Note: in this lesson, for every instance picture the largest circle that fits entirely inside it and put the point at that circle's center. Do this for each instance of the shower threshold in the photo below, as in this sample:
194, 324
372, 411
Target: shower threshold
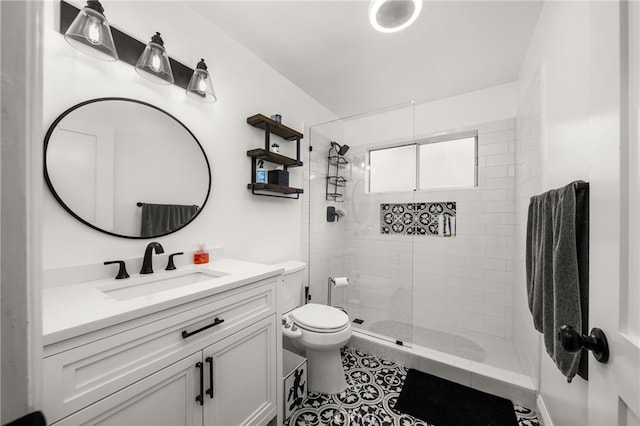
515, 386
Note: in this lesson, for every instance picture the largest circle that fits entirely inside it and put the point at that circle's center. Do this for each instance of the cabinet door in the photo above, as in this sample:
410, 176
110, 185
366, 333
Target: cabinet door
243, 367
165, 398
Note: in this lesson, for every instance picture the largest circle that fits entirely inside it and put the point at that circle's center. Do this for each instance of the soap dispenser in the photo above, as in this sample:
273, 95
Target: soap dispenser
261, 174
201, 255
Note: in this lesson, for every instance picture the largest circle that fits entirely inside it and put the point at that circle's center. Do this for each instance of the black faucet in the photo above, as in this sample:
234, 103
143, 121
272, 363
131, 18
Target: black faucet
147, 265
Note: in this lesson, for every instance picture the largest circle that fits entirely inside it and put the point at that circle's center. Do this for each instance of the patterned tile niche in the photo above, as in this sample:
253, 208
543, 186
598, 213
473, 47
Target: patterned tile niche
418, 219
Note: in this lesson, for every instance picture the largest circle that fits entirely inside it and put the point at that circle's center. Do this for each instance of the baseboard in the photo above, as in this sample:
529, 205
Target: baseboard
543, 413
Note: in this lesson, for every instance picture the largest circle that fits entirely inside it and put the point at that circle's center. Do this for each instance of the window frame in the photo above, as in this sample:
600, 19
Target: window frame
426, 141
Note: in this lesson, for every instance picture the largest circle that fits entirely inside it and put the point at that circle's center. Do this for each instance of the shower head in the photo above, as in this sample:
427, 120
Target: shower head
341, 149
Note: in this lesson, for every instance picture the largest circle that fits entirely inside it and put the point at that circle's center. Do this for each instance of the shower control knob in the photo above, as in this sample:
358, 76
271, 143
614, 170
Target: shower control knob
572, 341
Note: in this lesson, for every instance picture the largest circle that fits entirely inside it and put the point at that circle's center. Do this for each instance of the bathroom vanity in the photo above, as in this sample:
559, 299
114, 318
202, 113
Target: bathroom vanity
195, 346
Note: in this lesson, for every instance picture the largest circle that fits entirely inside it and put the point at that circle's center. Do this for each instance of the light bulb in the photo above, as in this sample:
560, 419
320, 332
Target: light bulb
202, 85
93, 31
155, 62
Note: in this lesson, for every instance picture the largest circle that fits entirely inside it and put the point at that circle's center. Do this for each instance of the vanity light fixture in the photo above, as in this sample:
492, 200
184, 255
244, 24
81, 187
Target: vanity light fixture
90, 33
153, 64
88, 30
390, 16
200, 86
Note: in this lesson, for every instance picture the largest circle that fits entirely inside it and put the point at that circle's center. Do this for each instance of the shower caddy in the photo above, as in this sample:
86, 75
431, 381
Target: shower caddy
335, 163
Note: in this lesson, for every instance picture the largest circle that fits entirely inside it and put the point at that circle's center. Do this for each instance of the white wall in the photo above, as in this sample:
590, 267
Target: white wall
473, 108
456, 112
561, 52
249, 227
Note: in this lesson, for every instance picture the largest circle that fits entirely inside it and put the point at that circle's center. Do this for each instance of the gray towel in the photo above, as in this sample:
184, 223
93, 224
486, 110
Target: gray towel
553, 271
161, 219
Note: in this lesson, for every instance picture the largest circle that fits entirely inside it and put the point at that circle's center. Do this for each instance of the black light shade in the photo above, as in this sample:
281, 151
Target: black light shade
91, 34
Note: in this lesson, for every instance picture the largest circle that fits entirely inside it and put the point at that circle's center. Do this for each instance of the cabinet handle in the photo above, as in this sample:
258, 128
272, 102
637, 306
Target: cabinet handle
215, 322
200, 398
210, 390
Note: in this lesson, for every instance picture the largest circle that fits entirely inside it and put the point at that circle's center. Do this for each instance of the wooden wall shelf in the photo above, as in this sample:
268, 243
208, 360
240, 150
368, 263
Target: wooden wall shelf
272, 157
262, 122
273, 127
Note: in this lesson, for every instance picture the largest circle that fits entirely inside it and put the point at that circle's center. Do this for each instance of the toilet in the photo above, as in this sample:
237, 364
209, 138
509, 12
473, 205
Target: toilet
318, 329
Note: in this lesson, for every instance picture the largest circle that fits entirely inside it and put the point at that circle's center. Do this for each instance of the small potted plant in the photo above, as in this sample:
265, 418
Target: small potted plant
275, 148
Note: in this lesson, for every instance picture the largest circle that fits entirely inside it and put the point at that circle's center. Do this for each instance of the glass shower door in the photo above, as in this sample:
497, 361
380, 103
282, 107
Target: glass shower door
375, 256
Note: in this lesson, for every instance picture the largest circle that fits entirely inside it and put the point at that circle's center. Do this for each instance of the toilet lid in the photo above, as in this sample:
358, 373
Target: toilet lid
320, 318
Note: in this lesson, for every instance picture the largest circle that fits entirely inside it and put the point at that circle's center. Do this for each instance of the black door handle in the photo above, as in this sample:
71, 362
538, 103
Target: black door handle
200, 398
596, 341
209, 360
215, 322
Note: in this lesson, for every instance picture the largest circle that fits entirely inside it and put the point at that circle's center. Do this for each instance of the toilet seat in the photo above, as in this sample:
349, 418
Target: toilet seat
320, 318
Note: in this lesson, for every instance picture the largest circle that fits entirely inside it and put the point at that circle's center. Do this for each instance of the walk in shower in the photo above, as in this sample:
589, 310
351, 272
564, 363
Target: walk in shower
420, 219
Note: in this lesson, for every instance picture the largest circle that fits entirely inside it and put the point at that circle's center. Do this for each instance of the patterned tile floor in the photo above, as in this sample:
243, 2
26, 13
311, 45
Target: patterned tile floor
374, 386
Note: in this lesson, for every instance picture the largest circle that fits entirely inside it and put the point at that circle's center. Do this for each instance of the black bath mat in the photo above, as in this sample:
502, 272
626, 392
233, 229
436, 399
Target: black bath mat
443, 403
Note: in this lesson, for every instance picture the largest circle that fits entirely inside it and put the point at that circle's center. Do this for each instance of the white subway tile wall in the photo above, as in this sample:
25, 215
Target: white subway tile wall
462, 283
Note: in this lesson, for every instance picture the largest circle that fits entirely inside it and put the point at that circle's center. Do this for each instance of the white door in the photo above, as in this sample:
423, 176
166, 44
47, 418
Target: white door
614, 388
242, 366
80, 163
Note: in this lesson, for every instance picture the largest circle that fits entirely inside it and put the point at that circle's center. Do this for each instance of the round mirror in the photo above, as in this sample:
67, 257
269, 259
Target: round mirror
126, 168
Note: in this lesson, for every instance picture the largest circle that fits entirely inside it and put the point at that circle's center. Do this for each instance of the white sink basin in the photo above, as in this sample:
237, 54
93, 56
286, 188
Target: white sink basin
146, 285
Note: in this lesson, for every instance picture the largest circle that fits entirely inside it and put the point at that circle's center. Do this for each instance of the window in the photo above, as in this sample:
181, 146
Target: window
447, 164
392, 169
434, 163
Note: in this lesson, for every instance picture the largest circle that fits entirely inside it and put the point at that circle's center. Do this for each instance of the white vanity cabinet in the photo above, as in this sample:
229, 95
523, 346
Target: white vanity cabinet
244, 377
208, 362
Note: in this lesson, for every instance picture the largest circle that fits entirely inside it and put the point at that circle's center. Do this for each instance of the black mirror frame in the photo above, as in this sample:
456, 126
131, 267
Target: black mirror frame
71, 212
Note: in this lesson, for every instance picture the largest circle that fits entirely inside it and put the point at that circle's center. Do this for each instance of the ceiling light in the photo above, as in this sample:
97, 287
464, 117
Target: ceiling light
389, 16
200, 86
90, 33
153, 64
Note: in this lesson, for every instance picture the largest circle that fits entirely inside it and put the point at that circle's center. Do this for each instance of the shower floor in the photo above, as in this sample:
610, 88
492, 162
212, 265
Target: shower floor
489, 350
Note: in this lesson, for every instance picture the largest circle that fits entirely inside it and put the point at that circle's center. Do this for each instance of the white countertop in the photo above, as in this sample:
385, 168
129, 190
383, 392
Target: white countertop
73, 310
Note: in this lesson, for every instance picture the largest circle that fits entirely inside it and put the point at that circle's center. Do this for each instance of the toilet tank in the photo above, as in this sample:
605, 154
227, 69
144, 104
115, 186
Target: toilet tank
291, 285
